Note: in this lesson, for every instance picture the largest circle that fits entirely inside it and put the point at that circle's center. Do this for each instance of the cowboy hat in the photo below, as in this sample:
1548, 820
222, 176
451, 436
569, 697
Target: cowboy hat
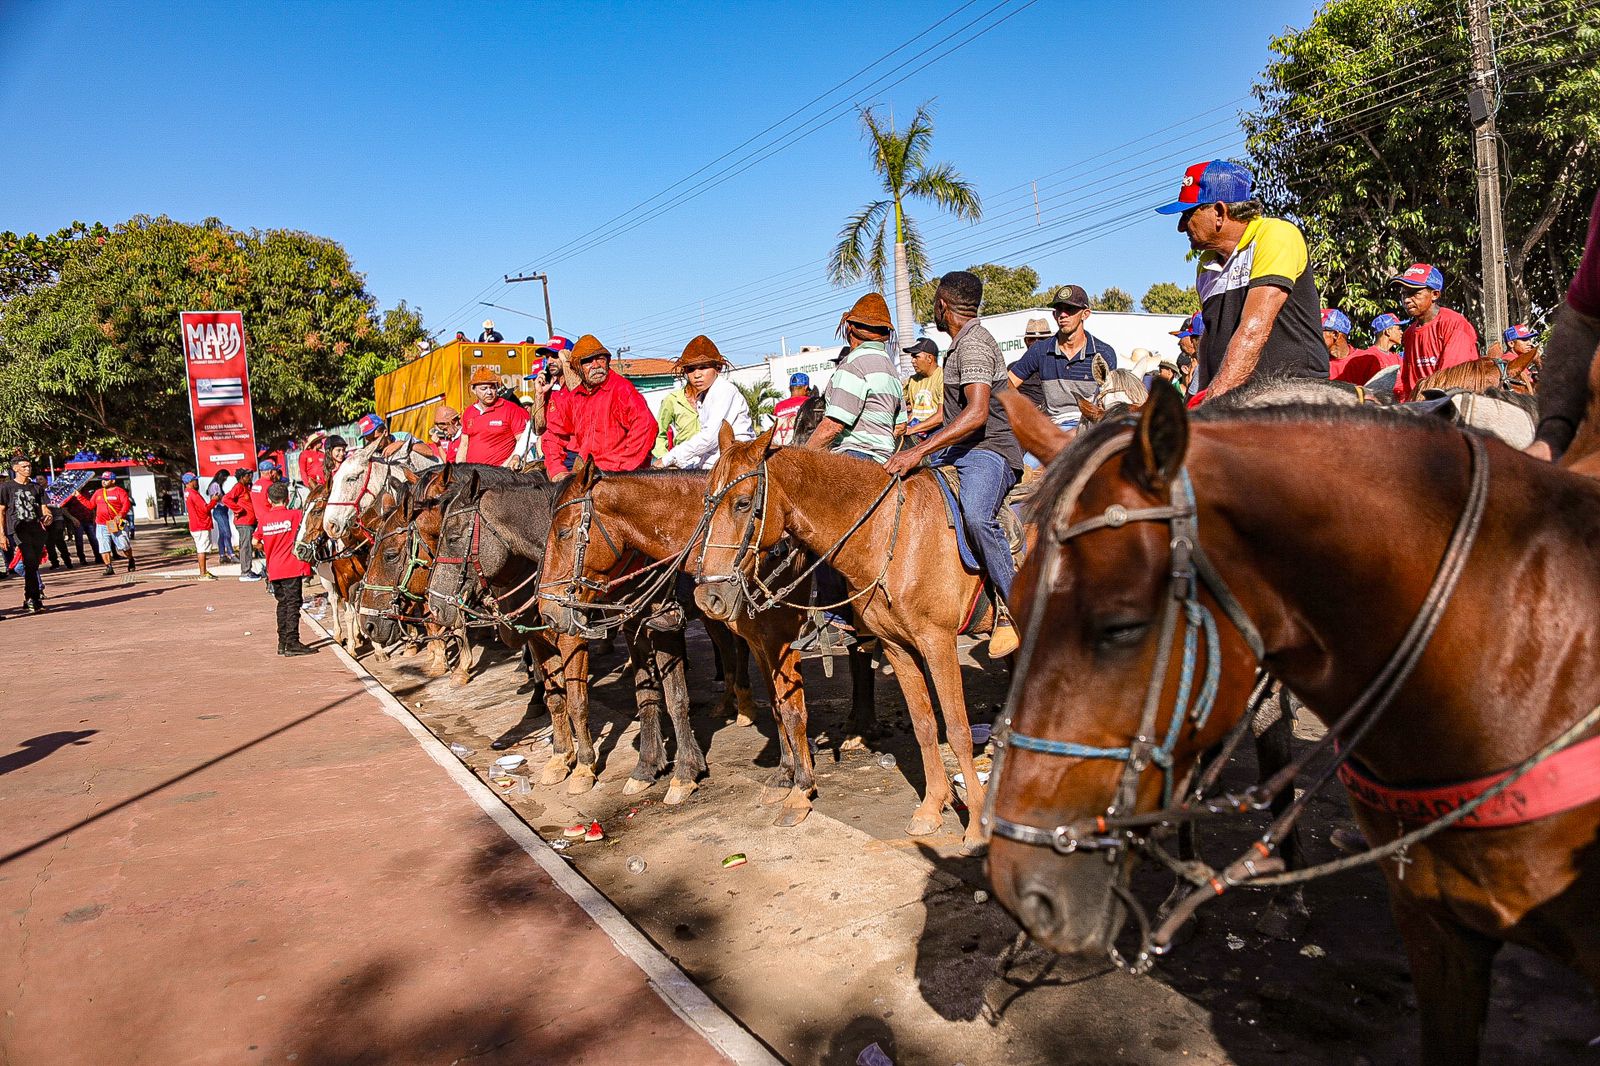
699, 352
483, 375
871, 311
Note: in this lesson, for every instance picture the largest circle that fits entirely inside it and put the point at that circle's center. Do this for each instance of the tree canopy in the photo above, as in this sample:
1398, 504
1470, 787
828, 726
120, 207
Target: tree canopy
90, 352
1362, 135
1166, 298
1112, 299
1004, 289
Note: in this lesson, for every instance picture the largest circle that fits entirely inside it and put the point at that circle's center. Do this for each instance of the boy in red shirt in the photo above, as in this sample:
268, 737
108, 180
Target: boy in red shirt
276, 527
198, 509
243, 506
1437, 336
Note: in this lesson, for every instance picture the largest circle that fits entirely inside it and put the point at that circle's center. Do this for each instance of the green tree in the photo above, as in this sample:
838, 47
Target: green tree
1373, 156
1004, 289
760, 396
95, 359
1166, 298
29, 262
1113, 299
900, 159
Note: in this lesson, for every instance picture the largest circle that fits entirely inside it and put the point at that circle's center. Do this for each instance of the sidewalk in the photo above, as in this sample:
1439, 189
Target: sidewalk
214, 855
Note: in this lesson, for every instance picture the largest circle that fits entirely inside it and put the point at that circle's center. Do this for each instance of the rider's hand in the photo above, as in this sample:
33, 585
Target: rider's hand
1539, 449
902, 462
5, 543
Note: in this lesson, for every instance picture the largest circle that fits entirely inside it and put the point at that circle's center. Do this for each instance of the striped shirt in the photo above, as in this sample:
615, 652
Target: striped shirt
864, 395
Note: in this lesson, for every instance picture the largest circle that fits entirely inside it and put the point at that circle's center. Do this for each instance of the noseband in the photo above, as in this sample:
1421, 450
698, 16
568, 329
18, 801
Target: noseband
400, 591
1121, 827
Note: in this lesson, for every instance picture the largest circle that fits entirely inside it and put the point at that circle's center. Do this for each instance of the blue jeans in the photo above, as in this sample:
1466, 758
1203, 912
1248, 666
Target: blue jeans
222, 522
985, 479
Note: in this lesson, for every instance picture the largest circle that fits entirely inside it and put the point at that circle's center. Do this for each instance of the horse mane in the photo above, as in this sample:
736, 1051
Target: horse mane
1478, 376
1126, 382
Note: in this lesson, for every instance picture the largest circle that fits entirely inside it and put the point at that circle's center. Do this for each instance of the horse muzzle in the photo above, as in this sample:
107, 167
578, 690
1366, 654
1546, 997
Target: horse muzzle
572, 622
719, 599
1068, 903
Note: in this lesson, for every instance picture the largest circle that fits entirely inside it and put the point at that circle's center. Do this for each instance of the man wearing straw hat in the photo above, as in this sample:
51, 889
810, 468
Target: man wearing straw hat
864, 401
716, 401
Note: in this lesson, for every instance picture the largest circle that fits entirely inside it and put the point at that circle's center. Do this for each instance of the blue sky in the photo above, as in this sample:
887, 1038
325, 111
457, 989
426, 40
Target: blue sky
448, 144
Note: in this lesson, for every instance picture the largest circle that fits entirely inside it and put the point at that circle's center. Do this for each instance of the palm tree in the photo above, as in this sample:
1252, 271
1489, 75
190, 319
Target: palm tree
760, 396
901, 160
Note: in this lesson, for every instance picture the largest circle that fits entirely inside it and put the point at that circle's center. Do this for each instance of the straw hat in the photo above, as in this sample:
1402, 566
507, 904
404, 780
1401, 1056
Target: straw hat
588, 345
871, 311
699, 352
1038, 327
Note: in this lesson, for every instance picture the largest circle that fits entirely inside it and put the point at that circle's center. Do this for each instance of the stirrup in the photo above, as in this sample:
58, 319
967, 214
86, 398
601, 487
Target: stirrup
668, 618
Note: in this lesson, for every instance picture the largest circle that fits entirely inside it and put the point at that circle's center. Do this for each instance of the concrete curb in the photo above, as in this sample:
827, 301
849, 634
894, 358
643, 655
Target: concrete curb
687, 1000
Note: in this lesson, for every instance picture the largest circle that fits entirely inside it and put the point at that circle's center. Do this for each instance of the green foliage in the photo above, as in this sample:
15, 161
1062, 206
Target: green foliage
1113, 299
30, 262
900, 159
761, 397
95, 359
1004, 289
1362, 135
1166, 298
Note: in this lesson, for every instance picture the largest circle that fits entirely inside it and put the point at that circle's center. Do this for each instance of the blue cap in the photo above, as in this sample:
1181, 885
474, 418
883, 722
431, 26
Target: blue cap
1335, 321
188, 478
1386, 321
1195, 327
1217, 181
1420, 276
369, 425
1520, 332
798, 379
267, 464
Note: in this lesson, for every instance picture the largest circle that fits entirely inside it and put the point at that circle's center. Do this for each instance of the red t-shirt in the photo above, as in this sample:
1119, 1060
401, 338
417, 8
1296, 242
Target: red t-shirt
199, 510
110, 503
1585, 292
783, 419
241, 503
1449, 340
492, 434
449, 450
258, 496
277, 530
1358, 367
311, 472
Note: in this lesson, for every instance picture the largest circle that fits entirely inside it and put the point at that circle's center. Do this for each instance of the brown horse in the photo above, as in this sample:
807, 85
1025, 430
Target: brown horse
619, 523
1481, 375
1229, 517
890, 542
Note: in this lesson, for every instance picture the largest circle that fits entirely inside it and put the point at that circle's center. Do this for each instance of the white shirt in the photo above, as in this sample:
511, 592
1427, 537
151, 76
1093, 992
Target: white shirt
723, 402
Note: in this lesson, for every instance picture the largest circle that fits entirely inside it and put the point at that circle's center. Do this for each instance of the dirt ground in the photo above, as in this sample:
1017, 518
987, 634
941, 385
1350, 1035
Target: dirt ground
844, 932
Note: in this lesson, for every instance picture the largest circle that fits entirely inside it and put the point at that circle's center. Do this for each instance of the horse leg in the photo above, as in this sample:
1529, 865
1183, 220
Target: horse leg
734, 655
689, 762
789, 705
575, 668
744, 696
463, 670
652, 760
929, 815
945, 670
555, 695
863, 715
1450, 967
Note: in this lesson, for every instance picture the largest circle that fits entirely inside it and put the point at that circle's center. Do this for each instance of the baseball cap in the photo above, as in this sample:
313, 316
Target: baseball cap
1215, 181
369, 425
1520, 332
1195, 327
267, 464
1069, 296
1335, 321
188, 478
106, 475
923, 345
1386, 321
798, 379
1420, 276
555, 344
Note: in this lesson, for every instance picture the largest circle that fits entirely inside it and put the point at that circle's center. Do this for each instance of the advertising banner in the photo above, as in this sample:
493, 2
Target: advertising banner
219, 390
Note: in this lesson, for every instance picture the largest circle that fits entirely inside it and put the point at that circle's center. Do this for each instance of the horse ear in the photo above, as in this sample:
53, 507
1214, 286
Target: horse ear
1099, 368
1160, 442
1522, 362
724, 437
1091, 411
472, 486
587, 473
766, 442
1039, 436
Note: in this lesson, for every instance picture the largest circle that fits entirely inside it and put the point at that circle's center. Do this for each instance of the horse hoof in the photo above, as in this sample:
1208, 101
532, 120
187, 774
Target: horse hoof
460, 679
633, 786
973, 848
743, 720
924, 825
581, 781
790, 817
1283, 921
774, 794
680, 791
853, 743
555, 771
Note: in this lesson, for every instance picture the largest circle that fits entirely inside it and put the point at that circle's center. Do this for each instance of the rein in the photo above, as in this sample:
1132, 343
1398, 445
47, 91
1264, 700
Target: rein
1119, 827
579, 589
400, 590
469, 603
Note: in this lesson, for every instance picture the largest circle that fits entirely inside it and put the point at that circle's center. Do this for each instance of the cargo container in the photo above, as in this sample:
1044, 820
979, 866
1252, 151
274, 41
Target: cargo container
408, 396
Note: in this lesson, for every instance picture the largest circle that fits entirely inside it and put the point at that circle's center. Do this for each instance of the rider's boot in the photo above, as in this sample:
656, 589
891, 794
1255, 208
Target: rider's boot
1003, 640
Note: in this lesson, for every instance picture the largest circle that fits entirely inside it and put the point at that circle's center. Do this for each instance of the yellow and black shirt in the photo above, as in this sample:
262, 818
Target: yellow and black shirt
1271, 252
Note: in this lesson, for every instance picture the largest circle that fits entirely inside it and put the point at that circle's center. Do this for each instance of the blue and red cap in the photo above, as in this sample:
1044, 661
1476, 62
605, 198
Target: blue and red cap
1420, 276
555, 344
1520, 332
188, 478
1217, 181
267, 464
1385, 321
1335, 321
799, 378
1195, 327
369, 425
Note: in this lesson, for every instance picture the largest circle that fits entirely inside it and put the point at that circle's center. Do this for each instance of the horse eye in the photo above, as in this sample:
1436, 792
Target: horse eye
1122, 634
742, 504
563, 534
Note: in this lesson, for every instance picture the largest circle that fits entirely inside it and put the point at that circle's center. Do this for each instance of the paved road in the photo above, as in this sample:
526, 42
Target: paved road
213, 855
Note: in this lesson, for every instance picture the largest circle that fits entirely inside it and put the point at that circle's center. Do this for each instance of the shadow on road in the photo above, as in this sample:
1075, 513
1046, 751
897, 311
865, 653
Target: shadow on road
42, 747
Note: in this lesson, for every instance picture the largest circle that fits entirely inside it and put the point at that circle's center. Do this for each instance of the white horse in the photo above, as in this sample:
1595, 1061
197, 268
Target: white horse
362, 478
346, 622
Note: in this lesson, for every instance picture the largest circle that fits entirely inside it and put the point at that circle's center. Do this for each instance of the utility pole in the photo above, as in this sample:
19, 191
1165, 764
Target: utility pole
1481, 105
549, 323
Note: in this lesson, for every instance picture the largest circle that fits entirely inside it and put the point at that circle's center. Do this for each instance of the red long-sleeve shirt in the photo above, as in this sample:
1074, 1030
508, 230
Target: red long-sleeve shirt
199, 510
110, 503
1448, 340
311, 472
240, 504
611, 423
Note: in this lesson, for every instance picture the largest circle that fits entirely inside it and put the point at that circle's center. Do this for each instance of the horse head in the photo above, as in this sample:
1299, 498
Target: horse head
310, 533
1105, 713
352, 488
746, 517
577, 554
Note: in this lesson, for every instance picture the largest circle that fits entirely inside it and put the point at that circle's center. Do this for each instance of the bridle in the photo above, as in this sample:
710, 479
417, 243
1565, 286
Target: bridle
579, 590
1121, 827
400, 591
481, 605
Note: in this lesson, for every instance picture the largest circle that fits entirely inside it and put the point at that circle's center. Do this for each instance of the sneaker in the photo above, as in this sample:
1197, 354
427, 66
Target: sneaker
208, 576
108, 571
252, 576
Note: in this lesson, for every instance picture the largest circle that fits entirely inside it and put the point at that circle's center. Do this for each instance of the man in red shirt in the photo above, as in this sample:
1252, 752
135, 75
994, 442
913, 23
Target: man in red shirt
113, 519
1437, 336
1570, 353
1354, 366
311, 456
446, 435
604, 417
491, 425
278, 526
198, 509
243, 507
